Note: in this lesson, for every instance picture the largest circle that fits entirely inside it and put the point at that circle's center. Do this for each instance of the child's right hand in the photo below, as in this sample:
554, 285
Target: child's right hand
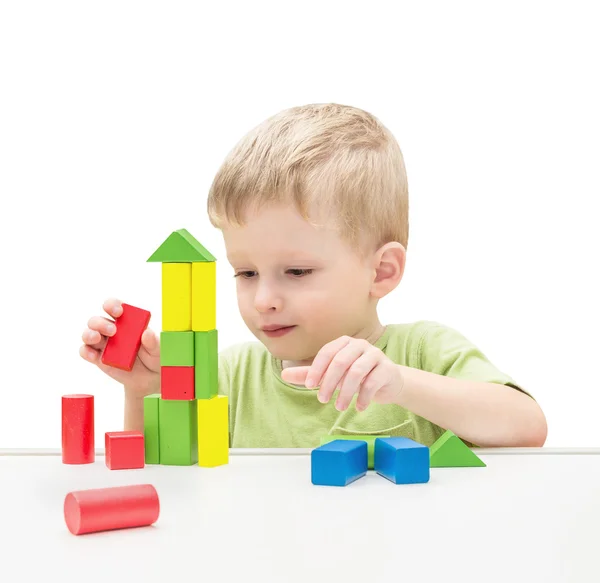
144, 378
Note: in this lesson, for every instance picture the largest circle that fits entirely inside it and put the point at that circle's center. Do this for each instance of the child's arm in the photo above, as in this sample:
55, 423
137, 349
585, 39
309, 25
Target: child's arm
488, 414
485, 414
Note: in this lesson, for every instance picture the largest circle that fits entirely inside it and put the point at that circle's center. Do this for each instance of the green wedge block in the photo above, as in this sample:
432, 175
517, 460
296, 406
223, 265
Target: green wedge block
178, 432
181, 247
449, 451
151, 443
206, 364
370, 439
177, 348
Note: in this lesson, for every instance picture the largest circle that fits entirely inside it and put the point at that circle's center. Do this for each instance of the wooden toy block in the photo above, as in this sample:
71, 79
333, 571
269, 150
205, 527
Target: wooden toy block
102, 509
177, 348
176, 297
339, 462
370, 439
449, 451
213, 431
204, 296
122, 348
124, 450
180, 247
151, 433
402, 460
206, 364
77, 416
178, 432
177, 382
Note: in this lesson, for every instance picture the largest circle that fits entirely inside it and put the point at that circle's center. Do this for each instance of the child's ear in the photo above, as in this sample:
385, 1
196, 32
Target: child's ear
389, 262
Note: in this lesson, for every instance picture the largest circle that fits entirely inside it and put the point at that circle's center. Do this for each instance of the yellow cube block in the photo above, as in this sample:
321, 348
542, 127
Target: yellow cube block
204, 296
213, 431
176, 297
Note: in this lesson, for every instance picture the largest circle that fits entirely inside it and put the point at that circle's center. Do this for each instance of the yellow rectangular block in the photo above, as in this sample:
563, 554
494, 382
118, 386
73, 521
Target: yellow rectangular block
176, 297
213, 431
204, 296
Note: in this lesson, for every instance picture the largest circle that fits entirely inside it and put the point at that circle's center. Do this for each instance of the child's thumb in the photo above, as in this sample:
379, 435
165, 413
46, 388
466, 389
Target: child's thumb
151, 342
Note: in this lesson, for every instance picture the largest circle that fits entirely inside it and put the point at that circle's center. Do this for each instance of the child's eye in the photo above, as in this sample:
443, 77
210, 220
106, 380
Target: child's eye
300, 272
294, 272
244, 274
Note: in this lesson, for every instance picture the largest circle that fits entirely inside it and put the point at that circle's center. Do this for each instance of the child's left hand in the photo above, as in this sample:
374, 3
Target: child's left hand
354, 366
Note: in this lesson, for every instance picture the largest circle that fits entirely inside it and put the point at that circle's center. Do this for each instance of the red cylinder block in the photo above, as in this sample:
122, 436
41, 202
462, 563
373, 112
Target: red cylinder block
101, 509
78, 429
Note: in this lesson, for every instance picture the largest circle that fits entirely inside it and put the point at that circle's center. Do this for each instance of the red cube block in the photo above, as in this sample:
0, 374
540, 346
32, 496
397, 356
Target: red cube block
177, 383
122, 347
124, 450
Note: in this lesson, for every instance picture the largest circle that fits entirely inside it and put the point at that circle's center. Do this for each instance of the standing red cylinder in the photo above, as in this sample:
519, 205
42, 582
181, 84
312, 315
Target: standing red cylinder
101, 509
78, 429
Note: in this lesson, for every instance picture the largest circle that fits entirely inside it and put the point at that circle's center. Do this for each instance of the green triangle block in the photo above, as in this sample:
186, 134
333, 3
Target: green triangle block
181, 247
449, 451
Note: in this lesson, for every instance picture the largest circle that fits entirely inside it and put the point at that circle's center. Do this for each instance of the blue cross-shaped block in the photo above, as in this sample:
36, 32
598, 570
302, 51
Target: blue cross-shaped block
402, 460
339, 462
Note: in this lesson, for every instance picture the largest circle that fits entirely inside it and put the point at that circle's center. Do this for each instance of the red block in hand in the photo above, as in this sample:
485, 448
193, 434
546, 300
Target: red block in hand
124, 450
122, 348
177, 383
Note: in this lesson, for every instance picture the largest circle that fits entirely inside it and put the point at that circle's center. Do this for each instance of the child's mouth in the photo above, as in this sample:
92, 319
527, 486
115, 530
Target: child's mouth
278, 332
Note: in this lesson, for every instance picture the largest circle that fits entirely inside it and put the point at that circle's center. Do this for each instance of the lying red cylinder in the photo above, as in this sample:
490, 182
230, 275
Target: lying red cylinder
78, 429
113, 508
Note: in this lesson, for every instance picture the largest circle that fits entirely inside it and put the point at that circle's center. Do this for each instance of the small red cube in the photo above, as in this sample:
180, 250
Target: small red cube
177, 383
124, 450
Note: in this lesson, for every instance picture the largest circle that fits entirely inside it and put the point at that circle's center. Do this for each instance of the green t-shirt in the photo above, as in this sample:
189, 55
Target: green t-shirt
267, 412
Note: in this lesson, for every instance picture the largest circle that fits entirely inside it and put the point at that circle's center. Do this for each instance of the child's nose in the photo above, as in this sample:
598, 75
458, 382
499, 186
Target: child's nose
267, 298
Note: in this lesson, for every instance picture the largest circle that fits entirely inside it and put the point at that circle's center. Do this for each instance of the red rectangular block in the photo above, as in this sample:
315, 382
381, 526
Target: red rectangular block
177, 383
122, 348
124, 450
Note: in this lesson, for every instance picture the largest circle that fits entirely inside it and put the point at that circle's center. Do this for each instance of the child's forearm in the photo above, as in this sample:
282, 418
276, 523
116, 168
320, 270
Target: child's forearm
485, 414
134, 412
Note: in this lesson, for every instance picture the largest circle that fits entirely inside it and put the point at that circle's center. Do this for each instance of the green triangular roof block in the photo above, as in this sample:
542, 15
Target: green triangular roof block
181, 247
449, 451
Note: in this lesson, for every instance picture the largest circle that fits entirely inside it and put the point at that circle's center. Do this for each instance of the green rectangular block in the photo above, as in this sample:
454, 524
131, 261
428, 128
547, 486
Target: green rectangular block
151, 425
370, 439
177, 348
178, 432
206, 364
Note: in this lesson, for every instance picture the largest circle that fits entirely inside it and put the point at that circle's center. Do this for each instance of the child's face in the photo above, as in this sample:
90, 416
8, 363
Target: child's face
290, 273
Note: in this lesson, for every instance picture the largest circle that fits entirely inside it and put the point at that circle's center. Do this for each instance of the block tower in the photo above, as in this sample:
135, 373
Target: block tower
188, 422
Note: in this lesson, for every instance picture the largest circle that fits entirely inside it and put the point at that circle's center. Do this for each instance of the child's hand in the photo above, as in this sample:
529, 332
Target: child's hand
354, 366
144, 378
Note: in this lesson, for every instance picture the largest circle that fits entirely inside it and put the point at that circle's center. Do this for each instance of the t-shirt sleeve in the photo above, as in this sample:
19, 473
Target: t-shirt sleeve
445, 351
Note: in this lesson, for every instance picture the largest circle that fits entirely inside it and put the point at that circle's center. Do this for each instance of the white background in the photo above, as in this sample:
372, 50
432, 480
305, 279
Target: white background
114, 117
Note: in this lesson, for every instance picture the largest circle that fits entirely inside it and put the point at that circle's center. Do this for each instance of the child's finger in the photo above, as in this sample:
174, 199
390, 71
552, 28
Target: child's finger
150, 342
102, 325
295, 374
93, 339
88, 353
323, 359
113, 307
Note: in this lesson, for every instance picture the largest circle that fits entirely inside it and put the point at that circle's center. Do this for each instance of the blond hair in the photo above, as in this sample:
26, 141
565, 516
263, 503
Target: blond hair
329, 157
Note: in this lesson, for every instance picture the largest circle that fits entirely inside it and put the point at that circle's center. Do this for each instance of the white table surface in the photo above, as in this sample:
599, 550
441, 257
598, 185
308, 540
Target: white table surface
531, 515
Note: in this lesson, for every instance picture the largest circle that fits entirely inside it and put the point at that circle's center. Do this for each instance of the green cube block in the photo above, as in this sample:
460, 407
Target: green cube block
370, 439
151, 442
178, 432
177, 348
206, 364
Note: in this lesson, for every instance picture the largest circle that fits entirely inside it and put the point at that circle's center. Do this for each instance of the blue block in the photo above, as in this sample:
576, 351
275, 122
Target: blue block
339, 462
402, 460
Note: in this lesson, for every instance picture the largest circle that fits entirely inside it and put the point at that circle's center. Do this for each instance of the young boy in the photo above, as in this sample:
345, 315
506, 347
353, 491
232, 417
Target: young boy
313, 207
